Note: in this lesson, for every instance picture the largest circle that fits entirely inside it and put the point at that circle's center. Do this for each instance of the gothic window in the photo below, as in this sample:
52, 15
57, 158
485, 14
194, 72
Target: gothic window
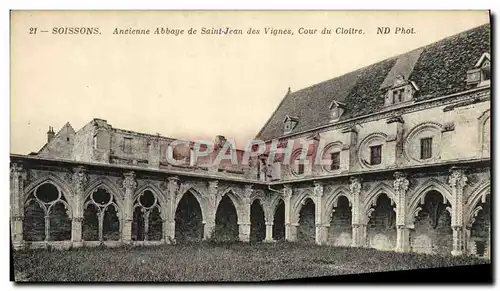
371, 150
425, 148
336, 110
485, 70
147, 221
47, 215
423, 142
101, 220
335, 161
300, 169
398, 95
297, 166
481, 73
376, 155
289, 123
401, 91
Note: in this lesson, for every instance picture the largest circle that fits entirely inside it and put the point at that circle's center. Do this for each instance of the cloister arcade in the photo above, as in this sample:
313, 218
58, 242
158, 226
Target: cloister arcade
444, 213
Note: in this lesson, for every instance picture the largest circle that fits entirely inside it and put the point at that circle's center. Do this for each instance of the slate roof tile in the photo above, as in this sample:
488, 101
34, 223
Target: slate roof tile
440, 70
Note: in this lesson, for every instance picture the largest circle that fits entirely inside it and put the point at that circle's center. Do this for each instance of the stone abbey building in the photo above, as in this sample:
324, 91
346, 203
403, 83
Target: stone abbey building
408, 139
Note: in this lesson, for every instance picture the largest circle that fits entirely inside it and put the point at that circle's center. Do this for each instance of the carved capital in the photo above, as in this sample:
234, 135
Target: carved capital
318, 189
248, 191
173, 184
287, 191
79, 178
129, 182
17, 218
355, 185
212, 187
17, 171
401, 183
457, 178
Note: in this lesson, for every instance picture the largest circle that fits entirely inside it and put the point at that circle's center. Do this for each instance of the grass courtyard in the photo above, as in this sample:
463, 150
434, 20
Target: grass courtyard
215, 262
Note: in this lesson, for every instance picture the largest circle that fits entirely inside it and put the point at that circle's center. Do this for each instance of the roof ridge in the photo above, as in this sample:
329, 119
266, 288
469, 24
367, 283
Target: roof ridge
341, 86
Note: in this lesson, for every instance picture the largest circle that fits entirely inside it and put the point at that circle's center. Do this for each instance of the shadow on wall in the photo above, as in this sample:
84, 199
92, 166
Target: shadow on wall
226, 221
307, 229
257, 222
382, 225
188, 219
340, 231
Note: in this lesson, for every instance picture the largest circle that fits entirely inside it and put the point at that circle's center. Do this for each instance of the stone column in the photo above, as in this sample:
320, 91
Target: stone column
321, 229
209, 219
457, 181
78, 180
172, 189
269, 217
358, 225
129, 184
244, 220
400, 185
290, 229
17, 178
269, 231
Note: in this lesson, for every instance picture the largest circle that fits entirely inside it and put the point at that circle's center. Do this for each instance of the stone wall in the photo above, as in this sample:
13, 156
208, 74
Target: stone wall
340, 230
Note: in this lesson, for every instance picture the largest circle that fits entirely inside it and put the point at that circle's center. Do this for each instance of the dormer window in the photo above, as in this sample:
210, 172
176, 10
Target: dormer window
480, 75
289, 123
336, 110
401, 91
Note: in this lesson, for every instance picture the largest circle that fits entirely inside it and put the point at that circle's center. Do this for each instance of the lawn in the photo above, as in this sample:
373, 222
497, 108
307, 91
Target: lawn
215, 262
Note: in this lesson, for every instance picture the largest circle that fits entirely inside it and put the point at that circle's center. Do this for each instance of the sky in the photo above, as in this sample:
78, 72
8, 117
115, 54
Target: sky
191, 86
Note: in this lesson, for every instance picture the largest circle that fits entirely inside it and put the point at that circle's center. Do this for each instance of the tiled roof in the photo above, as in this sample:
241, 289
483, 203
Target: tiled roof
437, 69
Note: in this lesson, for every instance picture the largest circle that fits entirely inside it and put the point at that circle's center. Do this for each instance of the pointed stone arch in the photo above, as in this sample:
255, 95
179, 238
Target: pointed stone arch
235, 199
196, 193
484, 145
147, 221
299, 202
107, 185
59, 183
273, 206
418, 196
332, 199
54, 215
478, 195
156, 192
371, 198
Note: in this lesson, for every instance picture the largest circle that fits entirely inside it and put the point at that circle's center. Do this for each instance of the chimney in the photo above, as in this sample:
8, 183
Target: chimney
50, 134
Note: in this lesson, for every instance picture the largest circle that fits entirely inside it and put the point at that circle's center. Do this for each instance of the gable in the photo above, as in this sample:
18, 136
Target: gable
61, 145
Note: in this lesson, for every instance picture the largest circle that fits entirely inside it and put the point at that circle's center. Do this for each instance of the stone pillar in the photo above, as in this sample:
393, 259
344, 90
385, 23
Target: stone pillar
290, 230
17, 178
78, 180
358, 225
321, 229
400, 185
269, 232
172, 189
209, 219
76, 231
129, 184
457, 181
244, 220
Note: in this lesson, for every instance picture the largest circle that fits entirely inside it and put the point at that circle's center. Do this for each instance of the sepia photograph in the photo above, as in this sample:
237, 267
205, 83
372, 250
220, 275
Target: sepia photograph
250, 146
